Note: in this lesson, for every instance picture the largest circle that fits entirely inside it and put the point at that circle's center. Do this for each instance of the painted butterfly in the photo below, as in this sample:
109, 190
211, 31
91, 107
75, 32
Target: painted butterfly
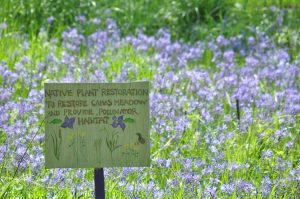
68, 123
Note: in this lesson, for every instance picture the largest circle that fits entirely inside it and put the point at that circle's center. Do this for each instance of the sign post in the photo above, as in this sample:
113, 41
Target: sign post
99, 183
97, 125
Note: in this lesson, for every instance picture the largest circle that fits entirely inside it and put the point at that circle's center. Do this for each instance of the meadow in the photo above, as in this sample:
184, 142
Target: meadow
224, 100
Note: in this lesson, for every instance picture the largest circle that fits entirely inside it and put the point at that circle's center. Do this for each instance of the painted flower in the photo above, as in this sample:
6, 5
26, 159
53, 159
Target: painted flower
118, 121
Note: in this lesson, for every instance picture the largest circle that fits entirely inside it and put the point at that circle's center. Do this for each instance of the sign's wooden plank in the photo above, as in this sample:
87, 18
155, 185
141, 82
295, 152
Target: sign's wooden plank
95, 125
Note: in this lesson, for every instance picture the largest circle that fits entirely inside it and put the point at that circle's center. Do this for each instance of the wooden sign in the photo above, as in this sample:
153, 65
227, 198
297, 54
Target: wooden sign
94, 125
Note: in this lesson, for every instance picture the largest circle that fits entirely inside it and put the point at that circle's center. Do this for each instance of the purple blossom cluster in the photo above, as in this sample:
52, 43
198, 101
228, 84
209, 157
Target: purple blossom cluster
195, 132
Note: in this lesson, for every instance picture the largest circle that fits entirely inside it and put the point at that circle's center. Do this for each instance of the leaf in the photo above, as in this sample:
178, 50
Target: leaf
56, 121
6, 189
128, 120
280, 152
19, 187
107, 143
116, 9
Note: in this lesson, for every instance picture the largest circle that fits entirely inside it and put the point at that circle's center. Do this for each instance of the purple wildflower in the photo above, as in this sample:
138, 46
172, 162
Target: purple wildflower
266, 186
228, 188
3, 26
267, 154
50, 19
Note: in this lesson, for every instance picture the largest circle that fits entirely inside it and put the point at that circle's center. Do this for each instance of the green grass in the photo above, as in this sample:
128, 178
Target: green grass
188, 19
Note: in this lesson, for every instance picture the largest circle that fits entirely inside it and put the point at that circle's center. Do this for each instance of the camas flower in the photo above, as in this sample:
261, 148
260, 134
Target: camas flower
118, 121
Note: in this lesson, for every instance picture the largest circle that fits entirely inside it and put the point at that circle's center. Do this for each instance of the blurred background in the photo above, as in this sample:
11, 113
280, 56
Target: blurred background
185, 19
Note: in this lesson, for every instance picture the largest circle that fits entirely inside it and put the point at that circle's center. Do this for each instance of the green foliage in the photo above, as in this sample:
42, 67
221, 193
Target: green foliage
56, 121
129, 120
31, 15
187, 19
112, 142
56, 141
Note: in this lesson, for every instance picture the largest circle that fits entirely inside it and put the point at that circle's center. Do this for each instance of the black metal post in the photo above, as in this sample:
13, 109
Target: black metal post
99, 183
238, 112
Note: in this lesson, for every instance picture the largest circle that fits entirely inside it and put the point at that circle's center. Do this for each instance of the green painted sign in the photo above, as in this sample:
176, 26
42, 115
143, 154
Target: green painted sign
94, 125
